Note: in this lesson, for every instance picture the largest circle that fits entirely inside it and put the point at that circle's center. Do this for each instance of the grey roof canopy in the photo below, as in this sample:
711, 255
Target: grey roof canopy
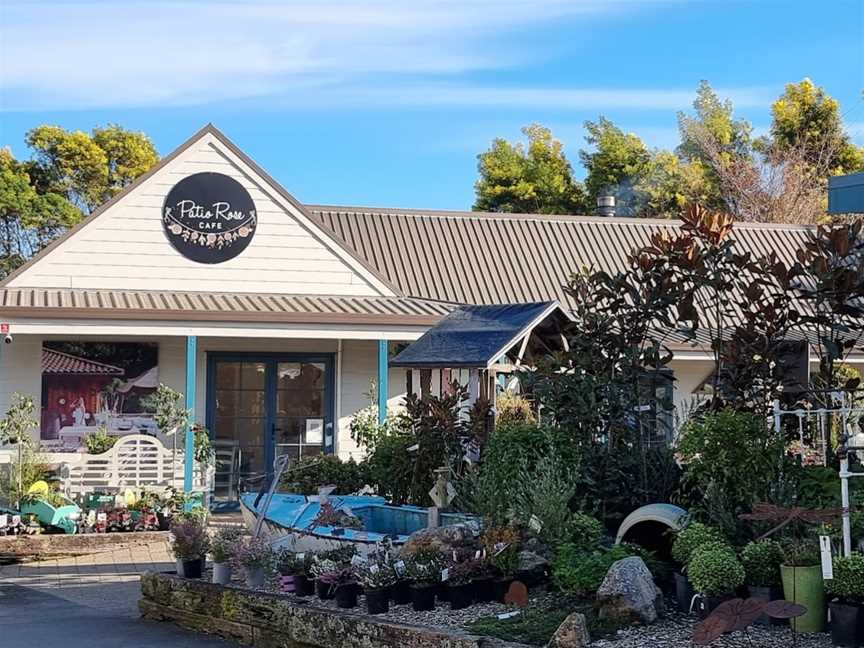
846, 194
478, 336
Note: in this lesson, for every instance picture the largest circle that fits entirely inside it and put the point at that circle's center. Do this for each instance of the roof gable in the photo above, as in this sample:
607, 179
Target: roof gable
122, 245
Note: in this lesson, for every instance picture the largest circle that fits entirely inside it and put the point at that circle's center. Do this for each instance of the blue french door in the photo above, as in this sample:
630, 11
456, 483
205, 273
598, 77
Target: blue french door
262, 406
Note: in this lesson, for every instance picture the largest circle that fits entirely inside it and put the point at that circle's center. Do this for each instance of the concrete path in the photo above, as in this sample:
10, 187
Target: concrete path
87, 602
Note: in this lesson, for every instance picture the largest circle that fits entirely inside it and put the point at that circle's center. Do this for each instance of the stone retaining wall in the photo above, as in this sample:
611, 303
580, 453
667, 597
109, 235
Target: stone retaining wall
23, 547
271, 621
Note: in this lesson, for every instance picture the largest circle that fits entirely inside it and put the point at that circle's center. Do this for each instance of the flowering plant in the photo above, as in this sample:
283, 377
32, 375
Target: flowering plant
189, 539
374, 576
254, 553
423, 571
462, 573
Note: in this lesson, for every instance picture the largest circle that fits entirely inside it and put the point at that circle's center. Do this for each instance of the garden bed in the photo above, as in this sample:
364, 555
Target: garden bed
264, 619
27, 547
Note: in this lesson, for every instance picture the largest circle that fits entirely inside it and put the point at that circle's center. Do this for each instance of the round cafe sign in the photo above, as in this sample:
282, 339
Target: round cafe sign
209, 217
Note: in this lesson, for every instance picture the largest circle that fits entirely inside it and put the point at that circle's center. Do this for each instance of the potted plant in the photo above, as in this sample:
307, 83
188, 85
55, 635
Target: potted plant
304, 583
802, 583
400, 593
847, 605
424, 575
256, 558
460, 577
715, 573
687, 540
501, 545
286, 566
189, 544
343, 584
761, 561
376, 579
221, 549
322, 570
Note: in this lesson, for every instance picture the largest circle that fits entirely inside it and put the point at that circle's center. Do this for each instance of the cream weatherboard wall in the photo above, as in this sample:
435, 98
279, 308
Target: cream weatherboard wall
124, 247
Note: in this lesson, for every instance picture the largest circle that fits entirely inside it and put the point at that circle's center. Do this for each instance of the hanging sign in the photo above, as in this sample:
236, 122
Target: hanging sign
209, 217
825, 554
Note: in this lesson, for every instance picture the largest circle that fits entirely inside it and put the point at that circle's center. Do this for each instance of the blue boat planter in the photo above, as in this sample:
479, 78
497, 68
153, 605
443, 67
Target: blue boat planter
61, 517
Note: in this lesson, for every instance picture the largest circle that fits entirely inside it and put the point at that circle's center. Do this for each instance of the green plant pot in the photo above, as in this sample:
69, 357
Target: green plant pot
803, 585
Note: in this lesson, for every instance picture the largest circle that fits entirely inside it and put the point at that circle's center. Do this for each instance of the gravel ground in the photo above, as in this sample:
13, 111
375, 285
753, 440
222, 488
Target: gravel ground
674, 630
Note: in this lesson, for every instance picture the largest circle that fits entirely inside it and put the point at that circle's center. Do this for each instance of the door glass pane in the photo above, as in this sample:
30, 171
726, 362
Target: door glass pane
239, 423
300, 407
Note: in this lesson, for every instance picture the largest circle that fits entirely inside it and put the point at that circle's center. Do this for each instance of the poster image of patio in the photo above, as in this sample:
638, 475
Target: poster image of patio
91, 385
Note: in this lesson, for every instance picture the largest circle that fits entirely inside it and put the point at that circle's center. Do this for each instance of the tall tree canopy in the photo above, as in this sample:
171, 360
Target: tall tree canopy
781, 177
89, 169
806, 116
70, 174
537, 179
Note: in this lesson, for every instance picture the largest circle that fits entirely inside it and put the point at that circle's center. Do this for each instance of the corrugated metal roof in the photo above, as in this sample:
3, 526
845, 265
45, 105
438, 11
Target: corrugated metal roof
489, 258
57, 362
126, 304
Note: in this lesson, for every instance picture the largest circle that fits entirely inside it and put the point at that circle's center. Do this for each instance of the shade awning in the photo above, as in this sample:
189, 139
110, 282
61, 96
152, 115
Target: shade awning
846, 194
478, 336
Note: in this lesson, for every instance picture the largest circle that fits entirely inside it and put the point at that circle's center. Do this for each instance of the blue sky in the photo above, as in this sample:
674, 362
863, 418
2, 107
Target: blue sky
388, 102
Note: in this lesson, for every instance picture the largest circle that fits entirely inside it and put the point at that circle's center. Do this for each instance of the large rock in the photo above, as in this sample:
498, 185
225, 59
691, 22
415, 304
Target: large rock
628, 593
446, 538
573, 633
533, 568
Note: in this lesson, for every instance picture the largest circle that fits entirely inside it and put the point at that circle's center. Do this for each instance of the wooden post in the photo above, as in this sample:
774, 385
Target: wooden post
383, 387
191, 388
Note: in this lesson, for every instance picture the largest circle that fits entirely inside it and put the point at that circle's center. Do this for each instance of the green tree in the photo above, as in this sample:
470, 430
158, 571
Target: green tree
714, 119
533, 179
29, 219
615, 165
89, 169
806, 116
668, 184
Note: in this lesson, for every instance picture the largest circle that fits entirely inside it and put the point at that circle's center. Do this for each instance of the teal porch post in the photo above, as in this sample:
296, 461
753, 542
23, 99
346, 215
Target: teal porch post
191, 388
383, 387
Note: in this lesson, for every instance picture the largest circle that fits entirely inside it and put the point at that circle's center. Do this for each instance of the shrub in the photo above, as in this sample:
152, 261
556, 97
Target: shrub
254, 553
580, 572
190, 539
100, 441
848, 582
715, 571
502, 548
735, 453
223, 542
801, 553
389, 467
308, 474
691, 537
585, 531
375, 575
715, 546
513, 409
761, 561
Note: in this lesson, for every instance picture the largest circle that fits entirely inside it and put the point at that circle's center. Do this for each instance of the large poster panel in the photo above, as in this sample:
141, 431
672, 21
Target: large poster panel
88, 385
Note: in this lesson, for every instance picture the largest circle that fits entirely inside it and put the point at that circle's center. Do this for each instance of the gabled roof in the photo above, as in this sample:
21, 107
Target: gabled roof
211, 130
492, 258
478, 336
65, 364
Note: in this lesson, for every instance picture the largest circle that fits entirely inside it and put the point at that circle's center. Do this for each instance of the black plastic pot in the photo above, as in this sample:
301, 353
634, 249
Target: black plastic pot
484, 590
401, 593
705, 605
847, 622
378, 601
324, 591
766, 594
303, 585
423, 597
193, 568
500, 587
460, 596
683, 592
442, 591
346, 596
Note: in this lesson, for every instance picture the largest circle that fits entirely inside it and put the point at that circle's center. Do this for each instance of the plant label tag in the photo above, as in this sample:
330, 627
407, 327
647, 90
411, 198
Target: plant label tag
414, 448
373, 569
827, 565
399, 568
535, 524
101, 517
445, 575
508, 615
16, 520
300, 557
4, 520
357, 560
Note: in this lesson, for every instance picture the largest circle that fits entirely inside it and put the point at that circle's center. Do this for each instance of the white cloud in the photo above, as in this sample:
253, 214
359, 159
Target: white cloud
294, 54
